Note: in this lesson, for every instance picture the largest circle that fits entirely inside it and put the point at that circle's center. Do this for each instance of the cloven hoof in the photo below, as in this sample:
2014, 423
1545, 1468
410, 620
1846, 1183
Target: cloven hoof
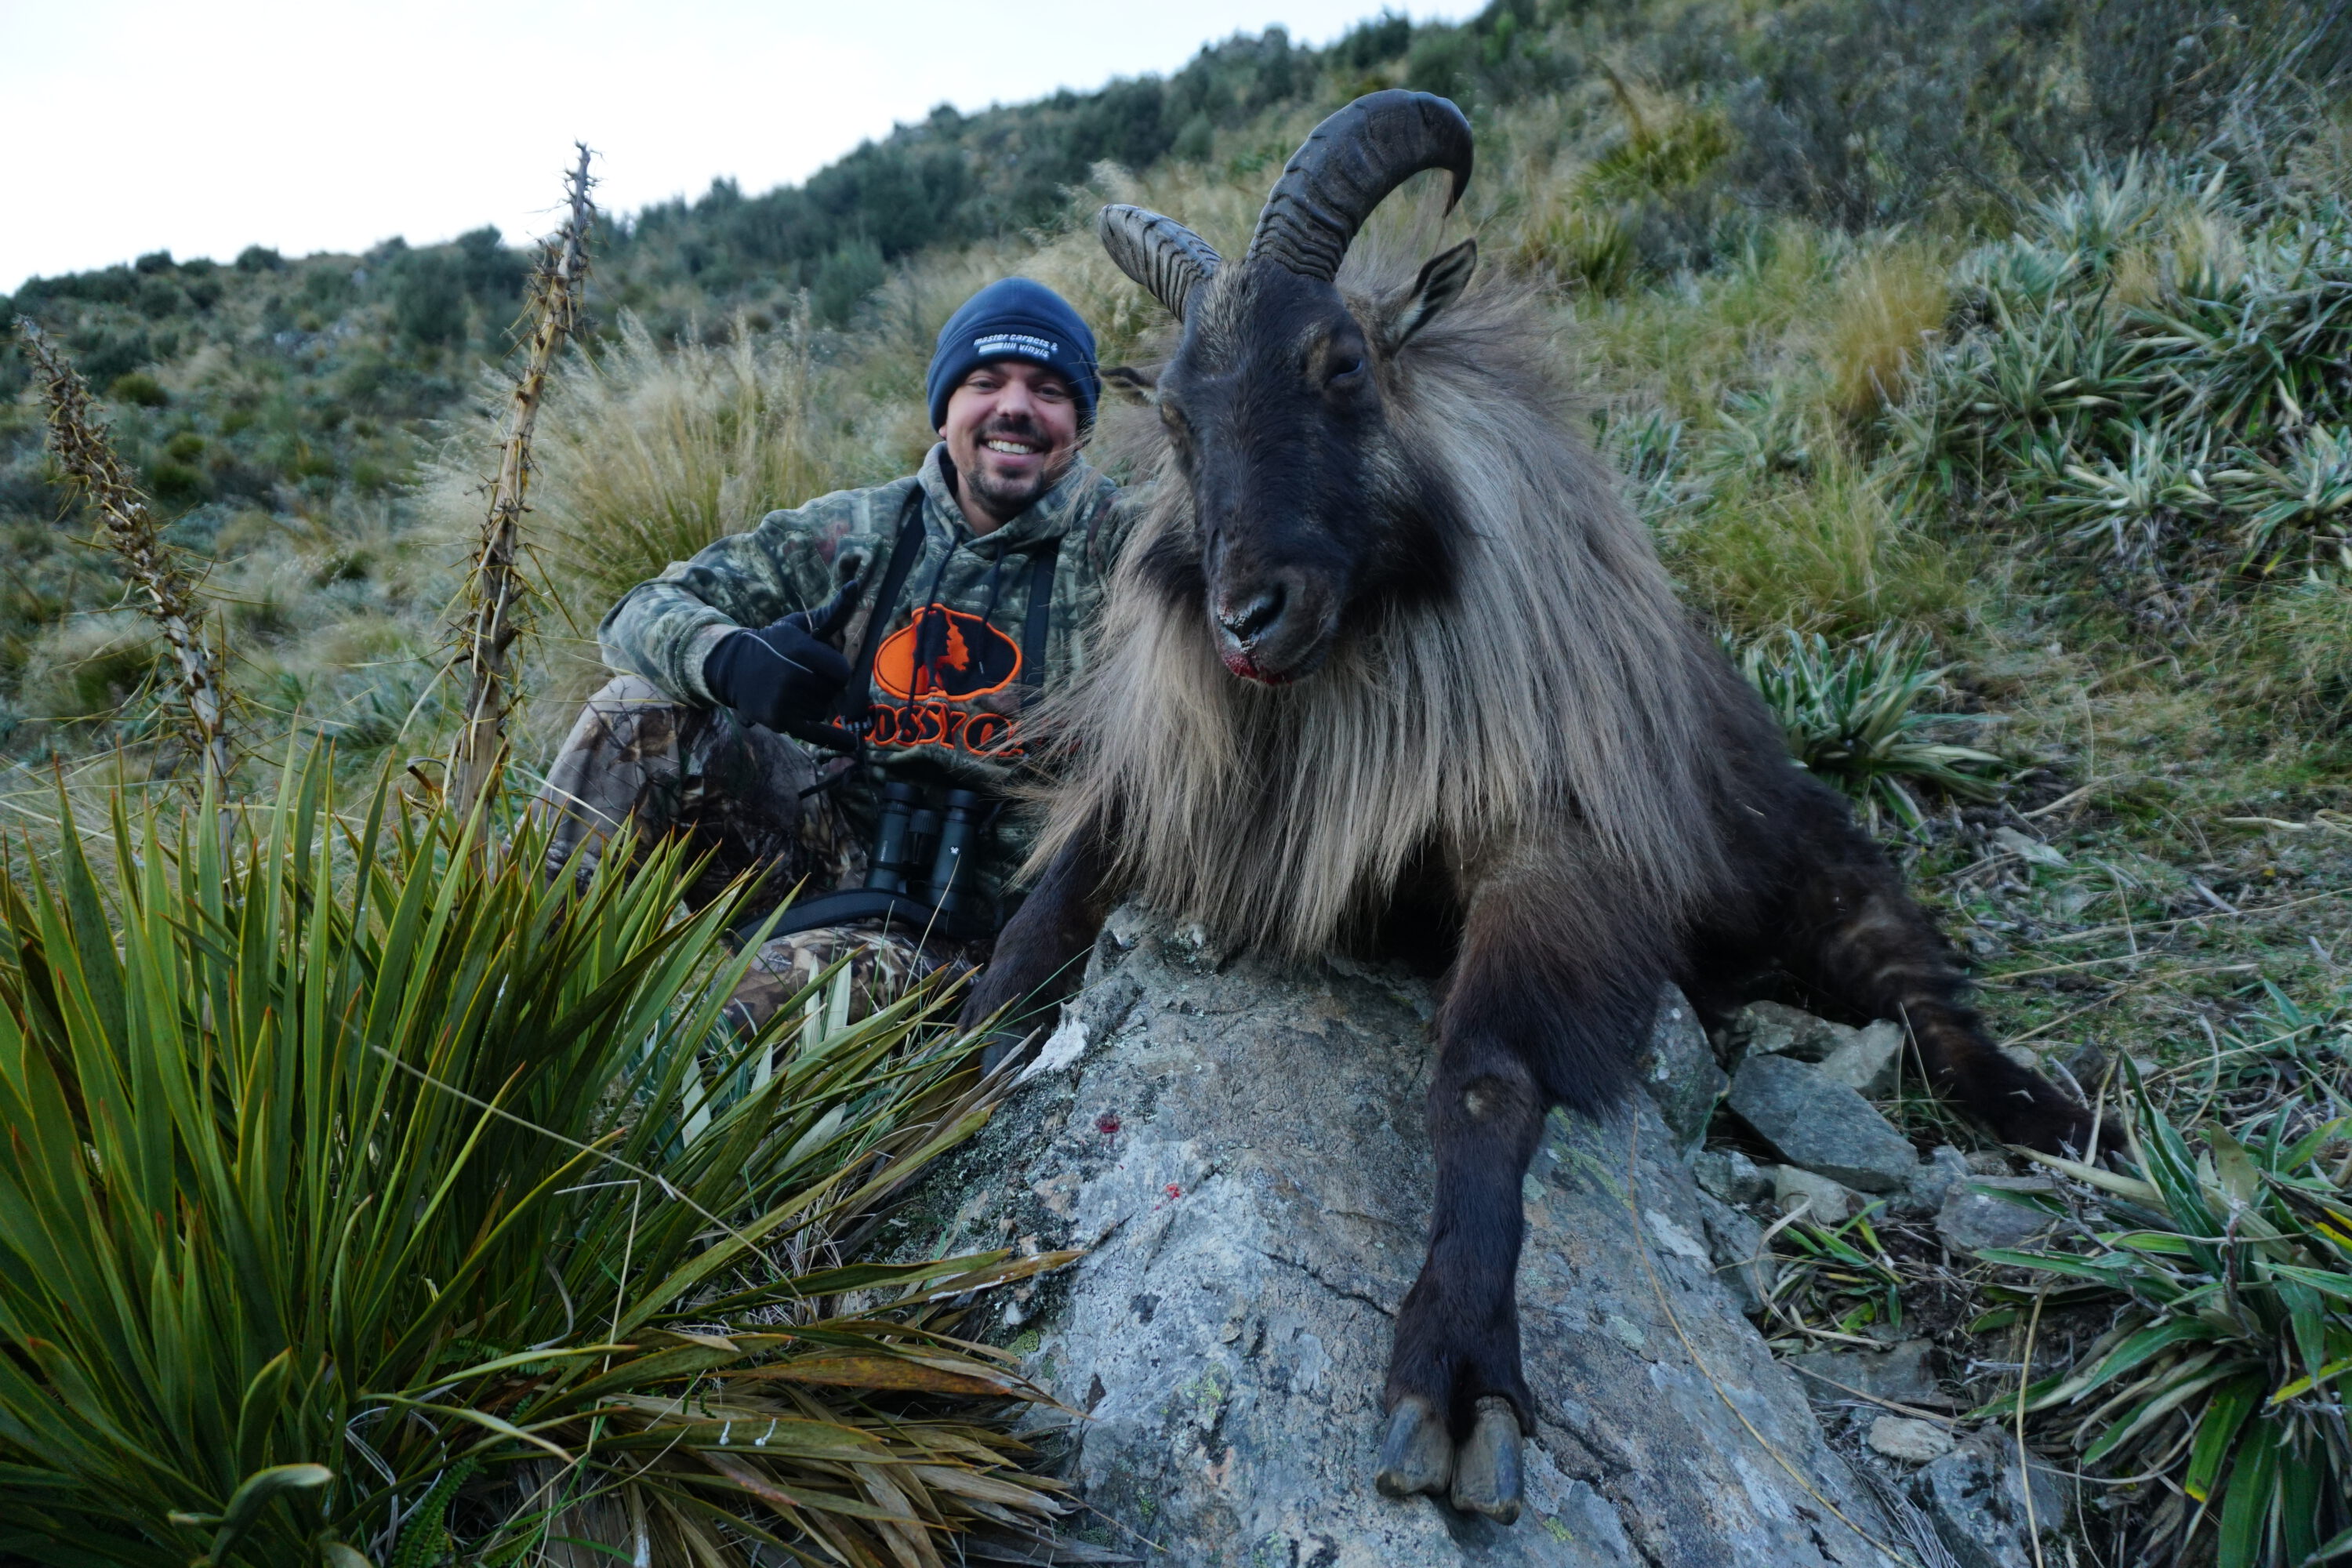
1487, 1474
1416, 1452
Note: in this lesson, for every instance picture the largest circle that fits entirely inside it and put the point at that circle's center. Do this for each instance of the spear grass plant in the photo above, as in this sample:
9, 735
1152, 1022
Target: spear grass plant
346, 1176
1835, 1280
2225, 1369
1853, 716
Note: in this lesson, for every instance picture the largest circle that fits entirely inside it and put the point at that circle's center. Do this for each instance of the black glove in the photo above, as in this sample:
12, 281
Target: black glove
785, 676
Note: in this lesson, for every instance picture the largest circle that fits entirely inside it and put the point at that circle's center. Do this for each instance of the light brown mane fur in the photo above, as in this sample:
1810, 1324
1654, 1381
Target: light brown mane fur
1559, 696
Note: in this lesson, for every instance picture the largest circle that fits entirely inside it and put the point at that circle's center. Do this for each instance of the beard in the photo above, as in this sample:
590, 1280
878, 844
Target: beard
1006, 495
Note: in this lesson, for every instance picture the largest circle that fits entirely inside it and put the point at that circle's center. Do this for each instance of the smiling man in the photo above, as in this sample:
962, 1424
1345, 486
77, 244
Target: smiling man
835, 696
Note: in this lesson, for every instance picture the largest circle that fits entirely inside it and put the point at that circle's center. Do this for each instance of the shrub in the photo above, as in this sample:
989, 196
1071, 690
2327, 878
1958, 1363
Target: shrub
259, 258
428, 299
176, 483
139, 388
351, 1174
2231, 1275
848, 276
159, 296
1373, 43
1442, 59
492, 273
1853, 716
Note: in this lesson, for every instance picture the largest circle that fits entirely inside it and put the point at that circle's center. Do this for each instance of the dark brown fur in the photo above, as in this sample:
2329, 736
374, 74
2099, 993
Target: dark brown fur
1506, 750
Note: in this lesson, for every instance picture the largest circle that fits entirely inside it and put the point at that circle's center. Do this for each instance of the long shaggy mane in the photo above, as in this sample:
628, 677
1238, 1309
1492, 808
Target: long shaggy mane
1554, 694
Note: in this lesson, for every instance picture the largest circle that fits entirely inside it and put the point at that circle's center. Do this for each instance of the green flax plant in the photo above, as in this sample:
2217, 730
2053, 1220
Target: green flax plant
1852, 715
369, 1197
2224, 1371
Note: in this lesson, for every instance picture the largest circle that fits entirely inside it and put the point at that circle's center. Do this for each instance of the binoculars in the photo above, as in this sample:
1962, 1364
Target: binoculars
914, 869
911, 835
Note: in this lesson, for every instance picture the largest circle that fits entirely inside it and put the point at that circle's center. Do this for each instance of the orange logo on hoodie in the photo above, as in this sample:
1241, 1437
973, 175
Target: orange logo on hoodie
968, 658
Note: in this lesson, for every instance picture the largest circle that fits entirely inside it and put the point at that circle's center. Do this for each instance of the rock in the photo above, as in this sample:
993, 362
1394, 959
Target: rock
1679, 1071
1976, 1497
1972, 1219
1776, 1029
1825, 1202
1932, 1181
1908, 1438
1902, 1374
1871, 1062
1736, 1242
1253, 1184
1812, 1121
1731, 1176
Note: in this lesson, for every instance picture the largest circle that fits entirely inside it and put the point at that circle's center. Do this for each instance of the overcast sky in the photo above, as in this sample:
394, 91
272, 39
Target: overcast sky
203, 126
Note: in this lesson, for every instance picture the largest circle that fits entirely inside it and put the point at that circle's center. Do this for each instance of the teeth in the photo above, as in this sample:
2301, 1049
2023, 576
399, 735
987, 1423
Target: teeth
995, 445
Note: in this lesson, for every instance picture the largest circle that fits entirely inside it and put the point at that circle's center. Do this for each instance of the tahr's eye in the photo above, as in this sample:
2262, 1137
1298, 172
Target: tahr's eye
1345, 373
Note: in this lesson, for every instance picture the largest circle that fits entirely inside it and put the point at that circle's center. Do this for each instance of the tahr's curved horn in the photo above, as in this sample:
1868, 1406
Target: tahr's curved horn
1348, 164
1157, 252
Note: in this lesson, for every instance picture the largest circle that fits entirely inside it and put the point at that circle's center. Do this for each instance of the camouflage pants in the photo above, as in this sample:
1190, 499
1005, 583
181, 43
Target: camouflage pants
734, 792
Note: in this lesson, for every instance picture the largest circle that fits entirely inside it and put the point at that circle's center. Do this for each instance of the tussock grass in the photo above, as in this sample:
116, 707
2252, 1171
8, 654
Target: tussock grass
1890, 303
1829, 553
646, 453
2294, 650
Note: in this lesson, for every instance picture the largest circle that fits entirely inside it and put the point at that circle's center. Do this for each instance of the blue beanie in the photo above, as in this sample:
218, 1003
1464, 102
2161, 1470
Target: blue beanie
1013, 319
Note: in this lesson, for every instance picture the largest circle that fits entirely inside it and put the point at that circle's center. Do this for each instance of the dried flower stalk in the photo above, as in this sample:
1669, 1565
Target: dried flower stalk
127, 527
495, 588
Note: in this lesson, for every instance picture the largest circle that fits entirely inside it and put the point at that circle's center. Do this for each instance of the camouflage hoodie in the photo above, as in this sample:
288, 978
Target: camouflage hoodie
945, 697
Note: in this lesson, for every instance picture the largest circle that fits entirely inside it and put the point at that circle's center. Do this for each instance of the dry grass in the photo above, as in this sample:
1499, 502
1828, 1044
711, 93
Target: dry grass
648, 453
2294, 651
1888, 306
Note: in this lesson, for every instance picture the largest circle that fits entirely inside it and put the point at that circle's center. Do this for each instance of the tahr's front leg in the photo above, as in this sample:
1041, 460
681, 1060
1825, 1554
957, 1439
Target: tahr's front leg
1036, 960
1457, 1399
1537, 1013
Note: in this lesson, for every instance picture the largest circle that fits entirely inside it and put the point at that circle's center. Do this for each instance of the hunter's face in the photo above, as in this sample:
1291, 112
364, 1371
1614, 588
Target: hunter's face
1012, 430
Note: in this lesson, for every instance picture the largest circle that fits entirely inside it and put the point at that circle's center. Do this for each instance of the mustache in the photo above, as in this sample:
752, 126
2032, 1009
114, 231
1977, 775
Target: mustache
1020, 424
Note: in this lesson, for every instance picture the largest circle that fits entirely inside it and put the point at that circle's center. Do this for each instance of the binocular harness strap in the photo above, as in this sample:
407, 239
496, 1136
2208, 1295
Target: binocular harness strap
868, 903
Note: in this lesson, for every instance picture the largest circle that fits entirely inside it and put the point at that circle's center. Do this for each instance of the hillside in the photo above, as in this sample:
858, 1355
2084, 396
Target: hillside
1984, 370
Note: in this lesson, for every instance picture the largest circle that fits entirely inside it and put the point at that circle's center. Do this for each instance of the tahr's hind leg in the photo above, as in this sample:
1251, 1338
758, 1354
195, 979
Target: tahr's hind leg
1850, 932
1536, 1014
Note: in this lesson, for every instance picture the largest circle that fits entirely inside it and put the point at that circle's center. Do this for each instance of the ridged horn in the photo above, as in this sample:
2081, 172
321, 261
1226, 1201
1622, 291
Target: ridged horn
1347, 166
1159, 253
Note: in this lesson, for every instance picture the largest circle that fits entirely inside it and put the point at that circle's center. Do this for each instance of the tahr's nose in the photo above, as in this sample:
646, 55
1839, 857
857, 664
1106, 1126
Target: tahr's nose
1249, 622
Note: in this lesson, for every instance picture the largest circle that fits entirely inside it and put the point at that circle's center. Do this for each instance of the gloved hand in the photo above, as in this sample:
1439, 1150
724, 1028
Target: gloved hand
785, 675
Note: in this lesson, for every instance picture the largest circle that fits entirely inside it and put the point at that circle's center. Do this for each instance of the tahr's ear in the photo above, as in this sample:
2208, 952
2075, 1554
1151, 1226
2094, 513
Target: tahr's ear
1135, 382
1442, 279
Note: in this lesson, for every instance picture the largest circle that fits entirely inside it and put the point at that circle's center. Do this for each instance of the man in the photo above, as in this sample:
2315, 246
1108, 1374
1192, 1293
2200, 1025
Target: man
900, 629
